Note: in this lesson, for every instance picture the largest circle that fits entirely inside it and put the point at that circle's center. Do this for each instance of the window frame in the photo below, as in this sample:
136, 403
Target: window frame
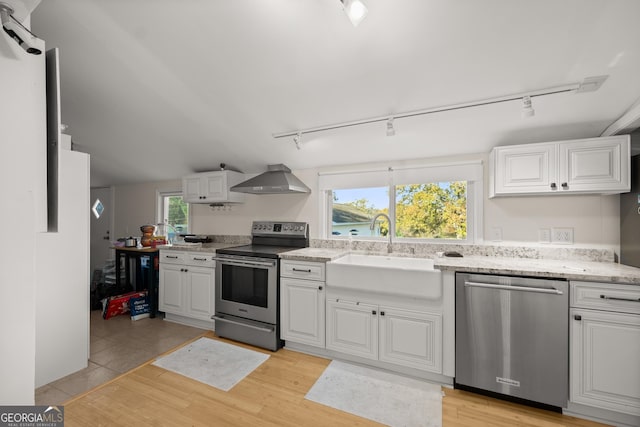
160, 196
386, 177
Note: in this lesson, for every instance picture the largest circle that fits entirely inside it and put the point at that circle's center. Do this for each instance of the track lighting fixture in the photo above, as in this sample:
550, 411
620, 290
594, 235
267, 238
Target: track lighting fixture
589, 84
390, 129
527, 108
355, 10
297, 139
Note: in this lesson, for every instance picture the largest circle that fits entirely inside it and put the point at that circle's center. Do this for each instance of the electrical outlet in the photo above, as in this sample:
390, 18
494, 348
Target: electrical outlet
544, 235
562, 235
496, 234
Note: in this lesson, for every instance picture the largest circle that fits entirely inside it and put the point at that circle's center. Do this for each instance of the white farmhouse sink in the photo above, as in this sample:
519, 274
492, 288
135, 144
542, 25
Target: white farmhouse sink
414, 277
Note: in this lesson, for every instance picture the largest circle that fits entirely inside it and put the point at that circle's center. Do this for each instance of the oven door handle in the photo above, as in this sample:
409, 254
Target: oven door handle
246, 263
258, 328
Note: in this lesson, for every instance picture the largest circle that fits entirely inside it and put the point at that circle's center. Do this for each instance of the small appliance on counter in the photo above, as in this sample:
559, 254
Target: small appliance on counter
194, 238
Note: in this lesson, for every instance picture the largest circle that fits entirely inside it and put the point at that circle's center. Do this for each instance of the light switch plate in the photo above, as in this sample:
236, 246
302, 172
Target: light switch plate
496, 234
544, 235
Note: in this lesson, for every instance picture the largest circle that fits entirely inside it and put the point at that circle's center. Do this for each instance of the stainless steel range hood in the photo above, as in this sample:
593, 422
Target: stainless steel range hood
277, 180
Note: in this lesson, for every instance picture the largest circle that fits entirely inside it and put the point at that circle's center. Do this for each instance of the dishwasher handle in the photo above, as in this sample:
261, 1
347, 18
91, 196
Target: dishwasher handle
552, 291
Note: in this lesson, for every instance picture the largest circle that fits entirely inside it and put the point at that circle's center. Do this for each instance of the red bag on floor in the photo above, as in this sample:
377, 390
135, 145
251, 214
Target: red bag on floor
119, 304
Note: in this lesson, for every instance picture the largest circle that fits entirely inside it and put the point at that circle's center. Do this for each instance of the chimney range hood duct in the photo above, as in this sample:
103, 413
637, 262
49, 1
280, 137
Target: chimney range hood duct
277, 180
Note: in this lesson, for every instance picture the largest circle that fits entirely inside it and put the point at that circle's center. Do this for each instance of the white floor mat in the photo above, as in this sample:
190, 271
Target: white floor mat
212, 362
379, 396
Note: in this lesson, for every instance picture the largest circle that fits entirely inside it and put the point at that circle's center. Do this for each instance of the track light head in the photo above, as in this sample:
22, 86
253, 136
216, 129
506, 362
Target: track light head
391, 131
355, 10
527, 107
297, 139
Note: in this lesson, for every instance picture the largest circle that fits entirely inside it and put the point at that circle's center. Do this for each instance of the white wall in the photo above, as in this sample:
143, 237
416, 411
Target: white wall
135, 205
594, 218
22, 138
62, 271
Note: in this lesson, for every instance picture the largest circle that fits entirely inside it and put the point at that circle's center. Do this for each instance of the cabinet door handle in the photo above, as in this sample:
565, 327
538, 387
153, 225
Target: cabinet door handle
565, 185
171, 256
577, 317
301, 270
373, 312
382, 313
199, 259
620, 299
553, 185
319, 288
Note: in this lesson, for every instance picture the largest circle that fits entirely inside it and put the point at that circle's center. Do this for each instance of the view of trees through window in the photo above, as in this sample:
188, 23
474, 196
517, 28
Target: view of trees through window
175, 212
424, 211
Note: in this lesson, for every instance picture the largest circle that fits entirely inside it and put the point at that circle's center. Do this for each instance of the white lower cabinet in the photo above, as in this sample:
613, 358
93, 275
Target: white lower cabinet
411, 338
605, 346
352, 328
302, 311
186, 287
395, 335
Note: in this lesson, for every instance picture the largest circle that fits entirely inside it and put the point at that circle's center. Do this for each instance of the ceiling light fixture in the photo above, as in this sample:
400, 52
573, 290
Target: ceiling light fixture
527, 108
355, 10
573, 87
297, 139
390, 129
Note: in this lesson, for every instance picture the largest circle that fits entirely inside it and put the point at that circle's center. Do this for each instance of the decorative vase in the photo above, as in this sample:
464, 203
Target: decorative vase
147, 235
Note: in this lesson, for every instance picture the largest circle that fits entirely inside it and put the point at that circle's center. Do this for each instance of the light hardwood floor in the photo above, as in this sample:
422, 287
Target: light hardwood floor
272, 395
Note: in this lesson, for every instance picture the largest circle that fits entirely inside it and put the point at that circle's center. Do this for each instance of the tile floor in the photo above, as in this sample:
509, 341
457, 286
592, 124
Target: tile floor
117, 345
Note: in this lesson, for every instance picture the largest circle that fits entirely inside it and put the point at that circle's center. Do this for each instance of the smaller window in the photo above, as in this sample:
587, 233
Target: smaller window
174, 211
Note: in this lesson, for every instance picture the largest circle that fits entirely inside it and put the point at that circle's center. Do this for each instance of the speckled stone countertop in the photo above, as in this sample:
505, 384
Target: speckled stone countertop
202, 247
571, 270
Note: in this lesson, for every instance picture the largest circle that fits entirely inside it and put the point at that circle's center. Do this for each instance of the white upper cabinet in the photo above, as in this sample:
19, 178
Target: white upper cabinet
593, 165
212, 187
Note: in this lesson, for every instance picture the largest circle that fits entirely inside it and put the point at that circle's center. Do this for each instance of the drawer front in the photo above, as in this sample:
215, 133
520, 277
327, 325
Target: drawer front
172, 257
302, 269
202, 259
606, 296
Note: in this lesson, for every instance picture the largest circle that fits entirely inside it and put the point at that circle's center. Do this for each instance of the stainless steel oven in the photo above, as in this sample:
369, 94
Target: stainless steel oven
247, 283
248, 287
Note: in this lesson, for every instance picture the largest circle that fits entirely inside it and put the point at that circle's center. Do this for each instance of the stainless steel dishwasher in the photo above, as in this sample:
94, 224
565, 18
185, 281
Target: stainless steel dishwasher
512, 338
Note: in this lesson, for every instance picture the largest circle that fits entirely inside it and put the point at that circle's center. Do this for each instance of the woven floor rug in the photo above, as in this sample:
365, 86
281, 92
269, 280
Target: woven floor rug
379, 396
212, 362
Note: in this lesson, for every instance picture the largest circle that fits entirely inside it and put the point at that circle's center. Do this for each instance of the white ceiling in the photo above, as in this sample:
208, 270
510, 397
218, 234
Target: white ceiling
157, 89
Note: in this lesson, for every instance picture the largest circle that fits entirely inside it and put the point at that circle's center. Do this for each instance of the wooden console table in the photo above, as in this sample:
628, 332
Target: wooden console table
142, 281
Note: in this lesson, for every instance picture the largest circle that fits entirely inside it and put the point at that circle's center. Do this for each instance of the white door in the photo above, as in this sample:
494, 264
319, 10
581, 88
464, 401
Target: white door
411, 338
352, 328
200, 291
605, 360
526, 169
302, 311
595, 165
170, 292
101, 228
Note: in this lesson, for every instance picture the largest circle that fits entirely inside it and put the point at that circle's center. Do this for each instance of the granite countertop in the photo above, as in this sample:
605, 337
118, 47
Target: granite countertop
567, 269
572, 270
314, 254
197, 247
